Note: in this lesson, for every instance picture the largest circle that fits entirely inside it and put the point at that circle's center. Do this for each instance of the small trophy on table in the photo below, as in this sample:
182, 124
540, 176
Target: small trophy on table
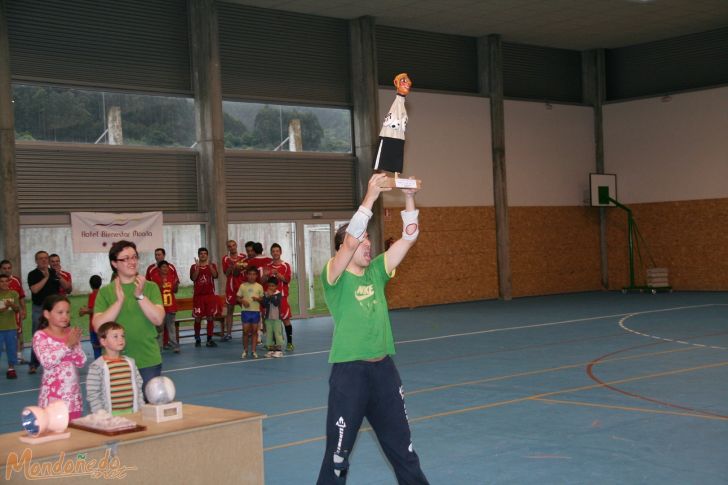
160, 392
390, 154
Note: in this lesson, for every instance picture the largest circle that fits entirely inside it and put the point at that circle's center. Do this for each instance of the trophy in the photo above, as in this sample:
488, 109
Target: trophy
390, 153
45, 424
160, 392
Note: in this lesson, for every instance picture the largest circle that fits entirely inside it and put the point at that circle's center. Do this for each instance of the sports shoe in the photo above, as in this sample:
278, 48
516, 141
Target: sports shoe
277, 354
227, 338
244, 356
255, 355
270, 353
176, 350
290, 347
11, 374
198, 343
167, 347
210, 343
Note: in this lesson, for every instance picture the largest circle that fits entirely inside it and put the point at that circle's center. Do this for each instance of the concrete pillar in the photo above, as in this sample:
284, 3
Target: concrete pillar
594, 93
294, 136
9, 218
115, 134
490, 68
210, 133
364, 92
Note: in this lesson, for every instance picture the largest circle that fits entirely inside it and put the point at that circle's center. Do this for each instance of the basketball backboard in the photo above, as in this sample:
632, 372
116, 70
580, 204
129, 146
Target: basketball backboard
603, 187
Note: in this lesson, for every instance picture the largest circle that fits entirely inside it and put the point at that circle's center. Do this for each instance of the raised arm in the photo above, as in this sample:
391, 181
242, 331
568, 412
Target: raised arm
113, 310
36, 286
66, 284
410, 230
152, 310
357, 230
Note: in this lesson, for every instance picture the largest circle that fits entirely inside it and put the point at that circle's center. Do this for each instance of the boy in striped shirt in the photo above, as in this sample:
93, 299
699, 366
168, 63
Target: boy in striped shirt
113, 382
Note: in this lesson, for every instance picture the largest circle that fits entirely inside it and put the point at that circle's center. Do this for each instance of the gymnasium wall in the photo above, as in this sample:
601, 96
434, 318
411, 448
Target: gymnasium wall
554, 239
671, 160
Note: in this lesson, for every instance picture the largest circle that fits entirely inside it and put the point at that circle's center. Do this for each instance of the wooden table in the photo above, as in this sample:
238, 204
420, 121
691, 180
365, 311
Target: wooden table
209, 446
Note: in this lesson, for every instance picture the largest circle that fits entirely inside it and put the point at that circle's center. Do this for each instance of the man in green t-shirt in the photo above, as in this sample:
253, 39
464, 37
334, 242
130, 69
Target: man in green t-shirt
136, 304
364, 381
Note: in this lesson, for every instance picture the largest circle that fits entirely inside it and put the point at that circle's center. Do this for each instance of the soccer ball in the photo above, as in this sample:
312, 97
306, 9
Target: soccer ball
160, 390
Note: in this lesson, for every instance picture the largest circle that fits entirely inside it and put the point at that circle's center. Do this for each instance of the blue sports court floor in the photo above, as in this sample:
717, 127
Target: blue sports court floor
592, 388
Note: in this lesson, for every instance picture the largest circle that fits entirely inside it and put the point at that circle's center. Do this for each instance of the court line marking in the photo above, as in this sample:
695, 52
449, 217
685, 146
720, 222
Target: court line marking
534, 397
631, 408
440, 337
657, 337
592, 375
541, 371
492, 379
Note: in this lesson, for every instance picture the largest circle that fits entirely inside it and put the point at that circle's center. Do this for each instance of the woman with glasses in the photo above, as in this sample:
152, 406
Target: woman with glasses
135, 303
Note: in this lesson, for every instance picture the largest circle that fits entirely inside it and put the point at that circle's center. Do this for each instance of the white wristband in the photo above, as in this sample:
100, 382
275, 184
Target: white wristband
410, 225
358, 223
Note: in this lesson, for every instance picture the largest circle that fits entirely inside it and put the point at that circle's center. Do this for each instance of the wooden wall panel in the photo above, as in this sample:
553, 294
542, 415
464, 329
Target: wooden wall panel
453, 260
690, 238
554, 250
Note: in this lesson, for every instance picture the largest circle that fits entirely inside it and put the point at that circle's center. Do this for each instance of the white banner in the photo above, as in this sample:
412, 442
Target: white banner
95, 232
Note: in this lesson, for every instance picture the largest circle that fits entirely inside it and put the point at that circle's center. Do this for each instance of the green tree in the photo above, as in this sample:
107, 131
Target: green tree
235, 132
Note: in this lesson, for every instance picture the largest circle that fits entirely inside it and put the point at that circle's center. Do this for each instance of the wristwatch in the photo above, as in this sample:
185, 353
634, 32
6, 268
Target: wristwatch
140, 297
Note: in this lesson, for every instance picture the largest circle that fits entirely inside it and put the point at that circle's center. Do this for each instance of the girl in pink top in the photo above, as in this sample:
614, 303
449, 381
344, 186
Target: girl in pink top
58, 347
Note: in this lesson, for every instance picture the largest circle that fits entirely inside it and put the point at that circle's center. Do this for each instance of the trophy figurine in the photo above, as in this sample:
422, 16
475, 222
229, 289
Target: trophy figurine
390, 153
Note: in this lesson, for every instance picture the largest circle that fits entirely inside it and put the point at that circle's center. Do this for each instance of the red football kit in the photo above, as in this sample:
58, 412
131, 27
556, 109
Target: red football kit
284, 270
259, 262
152, 269
233, 281
204, 301
166, 287
66, 276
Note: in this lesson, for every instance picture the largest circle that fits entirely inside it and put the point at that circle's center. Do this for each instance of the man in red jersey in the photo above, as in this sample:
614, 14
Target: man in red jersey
282, 272
233, 265
6, 268
204, 300
64, 277
152, 270
168, 286
258, 261
160, 255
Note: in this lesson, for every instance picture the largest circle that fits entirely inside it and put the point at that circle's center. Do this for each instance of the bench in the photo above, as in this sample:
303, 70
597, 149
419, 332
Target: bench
187, 324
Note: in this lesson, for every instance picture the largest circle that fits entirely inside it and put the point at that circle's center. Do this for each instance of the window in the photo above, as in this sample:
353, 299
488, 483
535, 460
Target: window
255, 126
56, 114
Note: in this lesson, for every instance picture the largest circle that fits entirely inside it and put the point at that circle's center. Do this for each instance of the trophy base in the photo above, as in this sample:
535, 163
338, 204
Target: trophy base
398, 182
36, 440
160, 413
